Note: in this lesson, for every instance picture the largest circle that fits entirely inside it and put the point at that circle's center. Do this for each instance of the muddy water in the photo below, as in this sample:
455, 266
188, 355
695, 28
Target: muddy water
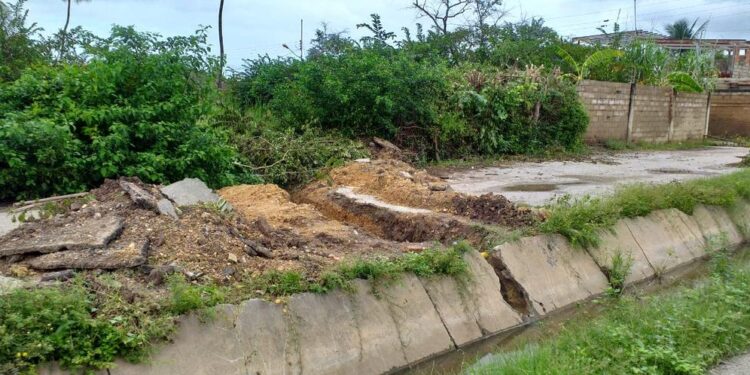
535, 332
537, 183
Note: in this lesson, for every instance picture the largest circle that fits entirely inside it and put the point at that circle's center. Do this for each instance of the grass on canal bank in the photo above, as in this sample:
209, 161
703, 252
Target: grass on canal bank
682, 332
581, 219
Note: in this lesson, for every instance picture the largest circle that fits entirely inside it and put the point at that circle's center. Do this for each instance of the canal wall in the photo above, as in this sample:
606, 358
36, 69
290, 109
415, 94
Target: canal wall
385, 328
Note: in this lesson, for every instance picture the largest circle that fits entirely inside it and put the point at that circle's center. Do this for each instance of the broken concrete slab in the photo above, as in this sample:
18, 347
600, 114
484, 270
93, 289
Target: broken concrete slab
166, 208
198, 348
92, 233
190, 191
265, 339
492, 313
420, 330
57, 276
717, 227
138, 195
666, 240
620, 242
129, 256
381, 349
365, 199
554, 274
327, 336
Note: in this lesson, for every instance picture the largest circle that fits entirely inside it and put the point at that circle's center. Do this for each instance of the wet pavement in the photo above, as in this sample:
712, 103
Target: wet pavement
537, 183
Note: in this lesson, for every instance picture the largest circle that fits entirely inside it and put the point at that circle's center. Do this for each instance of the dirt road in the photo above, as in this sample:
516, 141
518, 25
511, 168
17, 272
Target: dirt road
736, 366
537, 183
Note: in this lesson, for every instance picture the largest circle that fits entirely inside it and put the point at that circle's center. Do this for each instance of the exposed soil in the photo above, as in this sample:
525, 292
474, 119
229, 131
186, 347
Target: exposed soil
396, 182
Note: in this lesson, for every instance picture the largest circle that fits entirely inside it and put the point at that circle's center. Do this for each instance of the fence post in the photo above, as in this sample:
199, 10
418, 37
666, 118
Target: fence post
631, 114
672, 100
708, 115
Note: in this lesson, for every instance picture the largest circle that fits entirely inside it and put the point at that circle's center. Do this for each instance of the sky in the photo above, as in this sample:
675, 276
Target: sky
258, 27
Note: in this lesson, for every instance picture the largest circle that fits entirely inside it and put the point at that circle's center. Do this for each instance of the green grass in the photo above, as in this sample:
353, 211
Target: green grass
618, 145
682, 332
94, 320
581, 220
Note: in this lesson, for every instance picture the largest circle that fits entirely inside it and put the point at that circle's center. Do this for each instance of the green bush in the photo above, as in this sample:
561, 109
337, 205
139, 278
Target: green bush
137, 107
514, 113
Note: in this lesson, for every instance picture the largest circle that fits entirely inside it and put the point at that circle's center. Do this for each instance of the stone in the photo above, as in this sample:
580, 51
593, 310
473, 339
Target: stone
386, 145
58, 276
406, 175
717, 227
620, 241
421, 332
8, 284
138, 195
158, 275
166, 208
438, 187
552, 273
86, 234
363, 160
131, 255
232, 258
190, 191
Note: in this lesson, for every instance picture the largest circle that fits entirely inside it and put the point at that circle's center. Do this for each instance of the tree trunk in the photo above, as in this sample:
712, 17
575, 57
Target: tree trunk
65, 31
220, 81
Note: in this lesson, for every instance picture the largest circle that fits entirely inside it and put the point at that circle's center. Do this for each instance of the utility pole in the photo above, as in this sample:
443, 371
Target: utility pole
635, 16
301, 48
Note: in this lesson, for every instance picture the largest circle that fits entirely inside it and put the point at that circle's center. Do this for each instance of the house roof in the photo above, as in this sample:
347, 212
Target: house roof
625, 37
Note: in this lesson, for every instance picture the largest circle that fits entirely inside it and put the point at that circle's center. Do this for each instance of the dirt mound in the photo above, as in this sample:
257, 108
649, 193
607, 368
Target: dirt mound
396, 182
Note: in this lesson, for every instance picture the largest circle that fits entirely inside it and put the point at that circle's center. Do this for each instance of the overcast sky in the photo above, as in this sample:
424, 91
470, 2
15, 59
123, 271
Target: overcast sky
253, 27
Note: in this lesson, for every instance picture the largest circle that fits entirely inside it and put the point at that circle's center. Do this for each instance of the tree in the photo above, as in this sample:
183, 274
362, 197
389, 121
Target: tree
329, 43
595, 59
222, 58
441, 12
487, 13
64, 35
379, 36
18, 47
683, 29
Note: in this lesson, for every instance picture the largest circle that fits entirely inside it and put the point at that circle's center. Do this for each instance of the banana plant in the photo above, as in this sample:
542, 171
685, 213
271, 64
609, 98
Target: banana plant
682, 81
584, 68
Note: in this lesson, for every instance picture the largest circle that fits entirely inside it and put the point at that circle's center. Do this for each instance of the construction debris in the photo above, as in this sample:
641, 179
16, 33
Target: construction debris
129, 256
89, 233
190, 191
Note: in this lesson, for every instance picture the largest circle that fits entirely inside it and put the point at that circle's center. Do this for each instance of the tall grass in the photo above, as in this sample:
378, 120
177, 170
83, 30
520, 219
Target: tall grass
685, 332
580, 220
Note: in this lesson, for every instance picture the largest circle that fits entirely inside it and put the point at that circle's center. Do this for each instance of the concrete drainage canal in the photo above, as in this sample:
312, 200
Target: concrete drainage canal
381, 207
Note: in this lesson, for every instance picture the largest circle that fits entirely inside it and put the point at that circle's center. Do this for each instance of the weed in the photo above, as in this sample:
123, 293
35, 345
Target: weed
187, 297
618, 273
581, 220
684, 332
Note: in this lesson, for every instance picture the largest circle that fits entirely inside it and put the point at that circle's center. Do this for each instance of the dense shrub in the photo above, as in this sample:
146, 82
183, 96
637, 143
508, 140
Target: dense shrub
513, 112
137, 107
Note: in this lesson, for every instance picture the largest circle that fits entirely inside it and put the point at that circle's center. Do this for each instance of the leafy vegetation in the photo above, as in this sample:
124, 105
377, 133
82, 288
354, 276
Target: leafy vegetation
684, 332
89, 323
581, 220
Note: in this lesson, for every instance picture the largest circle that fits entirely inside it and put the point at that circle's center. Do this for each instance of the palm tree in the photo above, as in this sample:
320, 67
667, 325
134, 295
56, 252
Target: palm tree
64, 35
682, 29
220, 82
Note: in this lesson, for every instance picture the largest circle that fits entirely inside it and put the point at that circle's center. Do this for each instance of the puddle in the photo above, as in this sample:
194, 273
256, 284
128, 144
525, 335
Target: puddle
531, 187
670, 171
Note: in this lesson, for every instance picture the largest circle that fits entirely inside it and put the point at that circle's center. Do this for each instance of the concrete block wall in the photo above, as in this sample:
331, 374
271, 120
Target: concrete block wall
651, 114
658, 115
741, 70
381, 329
689, 116
607, 104
730, 114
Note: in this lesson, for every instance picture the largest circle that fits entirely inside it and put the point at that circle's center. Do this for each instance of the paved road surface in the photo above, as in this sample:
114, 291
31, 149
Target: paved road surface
537, 183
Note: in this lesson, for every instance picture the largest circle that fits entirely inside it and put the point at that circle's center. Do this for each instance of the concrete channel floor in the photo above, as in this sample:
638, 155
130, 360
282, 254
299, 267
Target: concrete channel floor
536, 183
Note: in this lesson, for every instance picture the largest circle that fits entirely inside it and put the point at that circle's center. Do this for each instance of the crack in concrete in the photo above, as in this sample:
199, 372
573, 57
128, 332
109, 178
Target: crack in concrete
434, 306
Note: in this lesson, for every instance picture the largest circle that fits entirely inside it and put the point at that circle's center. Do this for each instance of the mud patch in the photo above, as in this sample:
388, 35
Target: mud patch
670, 171
492, 208
513, 293
531, 187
